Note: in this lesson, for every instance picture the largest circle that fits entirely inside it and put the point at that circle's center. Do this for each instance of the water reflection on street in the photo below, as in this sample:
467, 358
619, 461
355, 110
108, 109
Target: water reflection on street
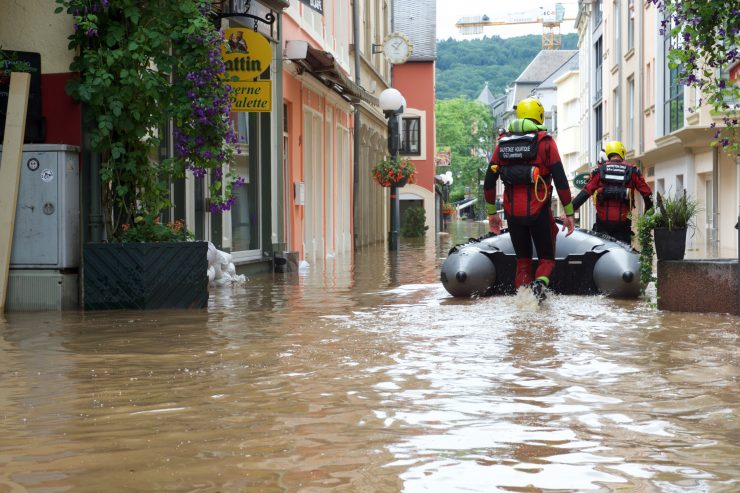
371, 378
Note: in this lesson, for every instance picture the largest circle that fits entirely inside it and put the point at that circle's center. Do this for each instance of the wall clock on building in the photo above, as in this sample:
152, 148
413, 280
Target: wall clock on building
397, 47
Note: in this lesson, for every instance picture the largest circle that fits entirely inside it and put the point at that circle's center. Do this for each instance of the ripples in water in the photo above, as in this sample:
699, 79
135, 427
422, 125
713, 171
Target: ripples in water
370, 378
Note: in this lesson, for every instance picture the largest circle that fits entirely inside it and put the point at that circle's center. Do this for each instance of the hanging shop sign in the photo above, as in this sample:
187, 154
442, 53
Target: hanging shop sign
317, 5
580, 180
252, 96
443, 156
246, 54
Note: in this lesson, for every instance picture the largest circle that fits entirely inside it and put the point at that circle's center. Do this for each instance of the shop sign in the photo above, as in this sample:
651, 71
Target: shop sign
252, 96
317, 5
246, 54
443, 156
580, 180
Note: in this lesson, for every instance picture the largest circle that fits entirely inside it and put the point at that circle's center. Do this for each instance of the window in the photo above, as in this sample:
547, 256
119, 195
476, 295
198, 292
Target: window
631, 113
411, 136
660, 186
617, 31
679, 186
649, 95
673, 112
245, 214
598, 8
571, 111
630, 24
330, 31
314, 19
598, 77
617, 112
598, 128
342, 33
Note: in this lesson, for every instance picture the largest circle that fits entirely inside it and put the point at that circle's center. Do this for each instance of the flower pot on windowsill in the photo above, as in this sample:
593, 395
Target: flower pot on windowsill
670, 244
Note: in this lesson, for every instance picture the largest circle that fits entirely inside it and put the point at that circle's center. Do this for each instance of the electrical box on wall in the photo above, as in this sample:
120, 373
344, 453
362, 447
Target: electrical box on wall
47, 220
299, 192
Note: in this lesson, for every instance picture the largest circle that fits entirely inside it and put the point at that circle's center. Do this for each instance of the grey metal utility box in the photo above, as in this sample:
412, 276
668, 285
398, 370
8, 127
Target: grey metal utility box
40, 290
47, 220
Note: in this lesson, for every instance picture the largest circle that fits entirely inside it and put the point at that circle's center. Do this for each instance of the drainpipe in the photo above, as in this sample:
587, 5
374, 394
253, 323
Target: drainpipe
640, 67
356, 136
715, 201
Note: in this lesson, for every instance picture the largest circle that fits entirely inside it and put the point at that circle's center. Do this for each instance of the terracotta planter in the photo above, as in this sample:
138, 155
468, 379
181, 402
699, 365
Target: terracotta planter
670, 244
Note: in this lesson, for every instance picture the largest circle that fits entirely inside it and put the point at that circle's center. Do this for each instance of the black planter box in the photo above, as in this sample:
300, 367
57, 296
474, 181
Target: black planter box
670, 244
144, 276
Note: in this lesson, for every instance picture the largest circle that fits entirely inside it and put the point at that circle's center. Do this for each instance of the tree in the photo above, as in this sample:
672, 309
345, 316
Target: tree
467, 128
706, 48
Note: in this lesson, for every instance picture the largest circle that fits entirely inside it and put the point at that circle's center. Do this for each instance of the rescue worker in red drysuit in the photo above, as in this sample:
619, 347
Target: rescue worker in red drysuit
528, 162
613, 184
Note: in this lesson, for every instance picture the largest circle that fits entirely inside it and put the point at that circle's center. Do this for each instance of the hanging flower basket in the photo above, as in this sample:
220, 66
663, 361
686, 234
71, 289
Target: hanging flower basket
389, 173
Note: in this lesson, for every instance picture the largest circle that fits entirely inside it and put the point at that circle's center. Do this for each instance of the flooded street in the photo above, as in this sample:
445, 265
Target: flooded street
371, 379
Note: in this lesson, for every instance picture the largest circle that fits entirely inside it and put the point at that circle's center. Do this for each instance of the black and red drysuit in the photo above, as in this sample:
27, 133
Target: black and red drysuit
613, 186
529, 164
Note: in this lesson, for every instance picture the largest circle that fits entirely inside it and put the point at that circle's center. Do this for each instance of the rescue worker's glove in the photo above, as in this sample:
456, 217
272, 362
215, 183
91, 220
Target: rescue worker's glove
569, 222
494, 224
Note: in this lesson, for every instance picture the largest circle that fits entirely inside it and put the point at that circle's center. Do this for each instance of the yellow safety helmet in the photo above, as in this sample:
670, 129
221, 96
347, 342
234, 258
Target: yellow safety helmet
530, 108
614, 147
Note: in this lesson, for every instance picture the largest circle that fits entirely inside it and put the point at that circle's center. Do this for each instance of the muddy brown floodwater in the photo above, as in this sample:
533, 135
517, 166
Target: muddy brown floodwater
371, 378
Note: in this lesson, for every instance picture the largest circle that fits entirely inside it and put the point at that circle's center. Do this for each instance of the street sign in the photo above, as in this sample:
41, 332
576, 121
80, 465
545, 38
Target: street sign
580, 180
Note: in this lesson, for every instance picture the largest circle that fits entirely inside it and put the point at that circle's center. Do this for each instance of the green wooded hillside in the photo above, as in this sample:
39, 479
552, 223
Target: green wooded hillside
464, 66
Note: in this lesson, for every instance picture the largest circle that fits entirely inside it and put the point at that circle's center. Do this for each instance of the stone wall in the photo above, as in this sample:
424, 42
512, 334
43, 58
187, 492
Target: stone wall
698, 285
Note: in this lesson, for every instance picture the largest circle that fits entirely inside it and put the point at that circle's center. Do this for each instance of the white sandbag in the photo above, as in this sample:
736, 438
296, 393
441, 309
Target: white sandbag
212, 253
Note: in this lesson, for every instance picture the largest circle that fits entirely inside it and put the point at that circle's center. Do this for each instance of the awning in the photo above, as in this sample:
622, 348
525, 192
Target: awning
323, 66
466, 204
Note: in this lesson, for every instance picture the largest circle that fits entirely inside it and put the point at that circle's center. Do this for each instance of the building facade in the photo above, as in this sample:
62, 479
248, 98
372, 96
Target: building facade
415, 80
665, 129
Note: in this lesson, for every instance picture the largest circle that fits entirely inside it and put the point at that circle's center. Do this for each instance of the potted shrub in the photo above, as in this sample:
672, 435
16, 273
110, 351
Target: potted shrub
392, 172
448, 209
675, 215
414, 223
140, 71
663, 232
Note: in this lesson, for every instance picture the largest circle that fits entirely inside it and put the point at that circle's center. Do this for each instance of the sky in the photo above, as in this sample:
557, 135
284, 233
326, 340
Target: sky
450, 11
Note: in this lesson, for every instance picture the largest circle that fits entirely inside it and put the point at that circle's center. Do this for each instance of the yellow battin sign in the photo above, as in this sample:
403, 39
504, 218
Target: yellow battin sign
254, 96
245, 53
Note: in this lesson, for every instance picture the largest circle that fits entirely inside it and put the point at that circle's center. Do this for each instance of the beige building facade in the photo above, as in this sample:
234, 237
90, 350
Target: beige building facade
635, 97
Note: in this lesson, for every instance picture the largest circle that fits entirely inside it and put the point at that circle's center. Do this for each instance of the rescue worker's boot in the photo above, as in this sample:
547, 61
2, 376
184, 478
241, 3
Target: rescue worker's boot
538, 289
523, 274
544, 269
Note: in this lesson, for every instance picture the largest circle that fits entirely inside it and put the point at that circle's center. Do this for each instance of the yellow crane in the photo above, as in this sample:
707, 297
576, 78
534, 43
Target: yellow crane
550, 18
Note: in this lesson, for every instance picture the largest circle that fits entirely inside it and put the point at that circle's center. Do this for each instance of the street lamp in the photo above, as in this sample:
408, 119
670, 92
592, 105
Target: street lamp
392, 103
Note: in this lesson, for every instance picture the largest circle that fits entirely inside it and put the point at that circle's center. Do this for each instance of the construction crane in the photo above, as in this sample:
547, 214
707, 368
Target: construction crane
550, 18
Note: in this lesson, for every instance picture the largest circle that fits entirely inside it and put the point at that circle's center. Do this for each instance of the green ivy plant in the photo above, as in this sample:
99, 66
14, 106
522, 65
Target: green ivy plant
645, 226
142, 65
673, 212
